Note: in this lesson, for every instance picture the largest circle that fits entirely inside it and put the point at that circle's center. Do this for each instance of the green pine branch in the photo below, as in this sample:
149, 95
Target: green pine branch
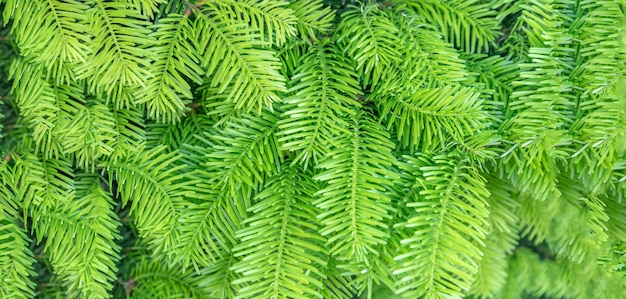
354, 203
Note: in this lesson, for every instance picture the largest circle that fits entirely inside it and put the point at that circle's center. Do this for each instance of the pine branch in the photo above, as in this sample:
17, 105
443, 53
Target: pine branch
51, 32
245, 151
119, 55
426, 118
451, 208
152, 181
499, 243
16, 260
370, 38
81, 239
281, 252
251, 72
155, 280
167, 92
323, 90
274, 20
354, 203
469, 25
313, 18
38, 103
219, 276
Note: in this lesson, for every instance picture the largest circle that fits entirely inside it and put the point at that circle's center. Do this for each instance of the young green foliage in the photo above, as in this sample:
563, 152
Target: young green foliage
312, 149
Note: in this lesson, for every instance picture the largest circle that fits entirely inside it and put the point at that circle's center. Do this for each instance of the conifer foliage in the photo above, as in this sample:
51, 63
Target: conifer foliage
313, 149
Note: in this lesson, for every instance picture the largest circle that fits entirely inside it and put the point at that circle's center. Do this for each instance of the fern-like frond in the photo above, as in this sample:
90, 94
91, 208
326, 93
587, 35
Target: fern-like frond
586, 233
219, 276
51, 32
236, 56
336, 285
426, 118
281, 252
208, 226
81, 233
542, 106
38, 103
571, 231
365, 278
428, 60
450, 208
245, 150
274, 20
500, 242
616, 223
208, 229
368, 36
16, 261
312, 17
602, 46
175, 136
154, 279
130, 131
89, 134
497, 74
50, 181
147, 7
354, 203
152, 181
324, 88
596, 137
290, 55
469, 25
175, 61
119, 47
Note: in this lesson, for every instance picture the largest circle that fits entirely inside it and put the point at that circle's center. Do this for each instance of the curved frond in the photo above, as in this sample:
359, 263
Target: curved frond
428, 60
236, 56
281, 252
219, 277
50, 181
38, 104
324, 89
573, 226
450, 208
426, 118
602, 45
147, 7
500, 242
152, 181
541, 104
469, 25
312, 17
175, 136
497, 74
52, 32
354, 203
119, 53
81, 233
245, 150
89, 135
16, 261
290, 55
371, 39
130, 131
208, 228
154, 279
274, 20
175, 61
336, 285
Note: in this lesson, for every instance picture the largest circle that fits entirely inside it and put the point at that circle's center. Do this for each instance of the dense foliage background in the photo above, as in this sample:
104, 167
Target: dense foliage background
313, 149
